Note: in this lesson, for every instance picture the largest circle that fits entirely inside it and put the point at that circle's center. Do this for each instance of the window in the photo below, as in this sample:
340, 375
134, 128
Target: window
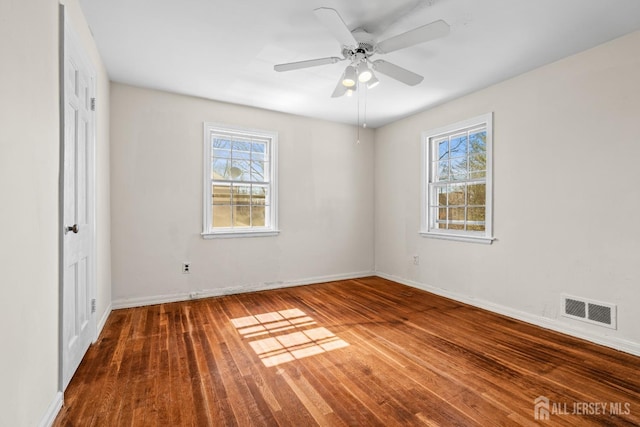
240, 192
456, 201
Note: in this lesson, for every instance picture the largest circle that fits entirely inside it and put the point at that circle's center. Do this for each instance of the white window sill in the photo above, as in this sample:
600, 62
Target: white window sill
234, 234
458, 237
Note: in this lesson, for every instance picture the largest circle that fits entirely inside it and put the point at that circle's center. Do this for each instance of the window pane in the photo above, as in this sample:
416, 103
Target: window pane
240, 170
221, 154
258, 195
477, 175
239, 145
459, 167
443, 170
443, 149
476, 194
442, 218
475, 214
262, 157
258, 216
477, 142
472, 227
220, 169
259, 151
478, 162
222, 143
441, 194
221, 194
241, 155
241, 194
221, 216
257, 171
457, 194
458, 146
456, 214
241, 216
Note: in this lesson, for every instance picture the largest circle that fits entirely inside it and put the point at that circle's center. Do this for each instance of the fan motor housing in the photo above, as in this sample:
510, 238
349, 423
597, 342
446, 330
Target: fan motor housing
366, 46
363, 51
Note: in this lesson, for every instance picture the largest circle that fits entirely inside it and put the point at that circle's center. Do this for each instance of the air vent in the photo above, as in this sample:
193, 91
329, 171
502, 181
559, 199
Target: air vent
599, 313
575, 308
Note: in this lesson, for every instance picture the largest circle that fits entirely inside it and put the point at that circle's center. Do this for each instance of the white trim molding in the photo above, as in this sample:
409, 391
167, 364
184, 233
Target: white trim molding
103, 321
459, 238
234, 234
437, 182
232, 290
267, 180
52, 411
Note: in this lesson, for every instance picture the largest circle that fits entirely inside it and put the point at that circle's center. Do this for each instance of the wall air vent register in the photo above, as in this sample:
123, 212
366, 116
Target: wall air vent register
599, 313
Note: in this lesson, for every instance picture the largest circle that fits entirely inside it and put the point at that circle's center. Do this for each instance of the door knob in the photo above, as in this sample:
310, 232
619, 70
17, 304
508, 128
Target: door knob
73, 228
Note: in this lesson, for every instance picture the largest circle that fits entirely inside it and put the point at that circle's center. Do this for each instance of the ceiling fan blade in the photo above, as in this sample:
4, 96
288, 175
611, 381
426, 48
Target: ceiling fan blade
413, 37
395, 72
307, 64
331, 19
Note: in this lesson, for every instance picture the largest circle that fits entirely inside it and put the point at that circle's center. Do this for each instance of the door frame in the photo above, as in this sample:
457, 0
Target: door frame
67, 36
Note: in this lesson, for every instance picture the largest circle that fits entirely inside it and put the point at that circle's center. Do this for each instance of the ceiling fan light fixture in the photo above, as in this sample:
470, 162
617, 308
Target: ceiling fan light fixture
373, 82
364, 73
350, 91
349, 78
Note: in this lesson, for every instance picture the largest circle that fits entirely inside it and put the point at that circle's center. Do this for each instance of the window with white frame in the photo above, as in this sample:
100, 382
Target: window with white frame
457, 181
240, 192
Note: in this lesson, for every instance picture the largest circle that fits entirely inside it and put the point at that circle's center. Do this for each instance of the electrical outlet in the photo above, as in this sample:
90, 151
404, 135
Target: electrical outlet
416, 260
186, 268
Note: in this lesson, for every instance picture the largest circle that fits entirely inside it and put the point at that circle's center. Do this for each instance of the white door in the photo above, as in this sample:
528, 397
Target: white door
78, 320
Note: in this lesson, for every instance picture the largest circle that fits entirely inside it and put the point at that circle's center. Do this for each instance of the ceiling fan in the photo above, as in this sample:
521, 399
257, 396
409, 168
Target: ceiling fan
358, 46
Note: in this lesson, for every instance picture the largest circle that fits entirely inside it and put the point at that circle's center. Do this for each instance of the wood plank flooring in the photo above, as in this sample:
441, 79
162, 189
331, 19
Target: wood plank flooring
360, 352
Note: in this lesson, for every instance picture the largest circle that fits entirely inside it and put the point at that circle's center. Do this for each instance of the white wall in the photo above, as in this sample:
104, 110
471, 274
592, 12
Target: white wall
325, 201
566, 195
29, 173
29, 146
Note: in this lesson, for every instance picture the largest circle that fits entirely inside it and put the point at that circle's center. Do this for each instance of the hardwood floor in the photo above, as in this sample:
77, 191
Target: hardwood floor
357, 352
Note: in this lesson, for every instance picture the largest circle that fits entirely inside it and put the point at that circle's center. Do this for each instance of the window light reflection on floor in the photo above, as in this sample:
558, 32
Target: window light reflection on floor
286, 335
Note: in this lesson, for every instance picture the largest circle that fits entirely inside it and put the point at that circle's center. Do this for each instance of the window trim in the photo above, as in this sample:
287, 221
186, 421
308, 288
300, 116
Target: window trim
208, 232
425, 218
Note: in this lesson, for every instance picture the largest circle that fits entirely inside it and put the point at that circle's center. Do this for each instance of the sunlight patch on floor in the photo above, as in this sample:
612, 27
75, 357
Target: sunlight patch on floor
286, 335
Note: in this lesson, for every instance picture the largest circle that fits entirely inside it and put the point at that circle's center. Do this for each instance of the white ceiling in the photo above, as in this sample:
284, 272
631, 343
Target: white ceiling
226, 50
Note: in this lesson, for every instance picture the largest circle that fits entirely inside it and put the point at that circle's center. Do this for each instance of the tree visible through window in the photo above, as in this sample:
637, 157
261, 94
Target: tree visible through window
240, 186
458, 172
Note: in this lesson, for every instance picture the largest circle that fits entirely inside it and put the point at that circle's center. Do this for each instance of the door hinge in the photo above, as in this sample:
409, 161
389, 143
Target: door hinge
93, 104
93, 305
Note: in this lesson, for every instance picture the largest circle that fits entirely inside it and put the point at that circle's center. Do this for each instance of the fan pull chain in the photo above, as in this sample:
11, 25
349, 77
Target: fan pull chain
358, 119
364, 118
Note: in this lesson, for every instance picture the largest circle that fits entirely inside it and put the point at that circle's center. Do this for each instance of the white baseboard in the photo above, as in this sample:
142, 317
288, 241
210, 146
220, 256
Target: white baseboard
608, 341
52, 411
103, 320
207, 293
